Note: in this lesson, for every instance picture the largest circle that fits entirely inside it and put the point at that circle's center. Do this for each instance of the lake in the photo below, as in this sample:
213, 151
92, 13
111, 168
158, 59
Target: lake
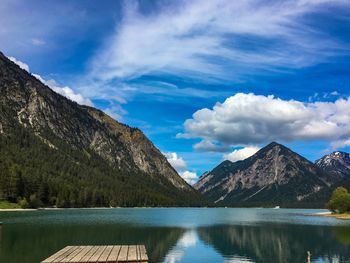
180, 234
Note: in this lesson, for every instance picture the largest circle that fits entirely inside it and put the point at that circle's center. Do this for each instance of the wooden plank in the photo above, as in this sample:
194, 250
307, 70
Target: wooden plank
132, 254
81, 254
113, 256
97, 254
57, 254
105, 254
66, 254
123, 254
143, 253
72, 255
137, 253
89, 254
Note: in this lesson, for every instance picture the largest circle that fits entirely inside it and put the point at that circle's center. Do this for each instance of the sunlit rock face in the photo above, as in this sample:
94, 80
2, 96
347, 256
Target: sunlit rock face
40, 109
274, 175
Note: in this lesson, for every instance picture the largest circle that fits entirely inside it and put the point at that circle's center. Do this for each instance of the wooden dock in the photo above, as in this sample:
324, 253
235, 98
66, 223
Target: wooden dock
97, 254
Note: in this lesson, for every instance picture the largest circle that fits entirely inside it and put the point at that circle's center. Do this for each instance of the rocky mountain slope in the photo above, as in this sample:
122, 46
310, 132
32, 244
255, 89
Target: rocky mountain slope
275, 175
337, 164
86, 140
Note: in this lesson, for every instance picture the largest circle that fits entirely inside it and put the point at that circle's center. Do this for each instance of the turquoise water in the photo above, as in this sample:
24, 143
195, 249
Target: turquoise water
180, 234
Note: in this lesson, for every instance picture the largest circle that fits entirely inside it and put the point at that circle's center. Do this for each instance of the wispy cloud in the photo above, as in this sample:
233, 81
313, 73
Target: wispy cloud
38, 42
216, 39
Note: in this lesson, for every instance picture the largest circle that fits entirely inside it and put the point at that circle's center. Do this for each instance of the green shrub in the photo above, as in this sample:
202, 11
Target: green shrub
340, 201
23, 203
34, 201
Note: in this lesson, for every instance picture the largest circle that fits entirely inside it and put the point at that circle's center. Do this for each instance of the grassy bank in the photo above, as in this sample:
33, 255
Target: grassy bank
339, 216
8, 205
345, 216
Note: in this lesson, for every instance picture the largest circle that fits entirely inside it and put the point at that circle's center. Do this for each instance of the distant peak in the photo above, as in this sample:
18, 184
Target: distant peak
338, 154
274, 144
226, 162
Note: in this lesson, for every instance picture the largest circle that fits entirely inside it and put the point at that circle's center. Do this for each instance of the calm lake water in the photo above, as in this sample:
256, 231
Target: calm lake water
180, 234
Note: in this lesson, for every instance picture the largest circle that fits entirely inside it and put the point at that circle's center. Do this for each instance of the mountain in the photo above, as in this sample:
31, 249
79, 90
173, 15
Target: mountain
337, 164
275, 175
57, 152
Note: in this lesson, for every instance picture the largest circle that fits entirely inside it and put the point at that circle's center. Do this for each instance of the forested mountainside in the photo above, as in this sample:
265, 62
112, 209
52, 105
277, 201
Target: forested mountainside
54, 151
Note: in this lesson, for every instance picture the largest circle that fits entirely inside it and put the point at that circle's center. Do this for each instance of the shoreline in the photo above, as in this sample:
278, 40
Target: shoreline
17, 209
330, 214
144, 207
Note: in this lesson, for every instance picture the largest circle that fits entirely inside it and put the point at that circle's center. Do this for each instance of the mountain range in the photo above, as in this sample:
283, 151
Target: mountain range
275, 175
57, 152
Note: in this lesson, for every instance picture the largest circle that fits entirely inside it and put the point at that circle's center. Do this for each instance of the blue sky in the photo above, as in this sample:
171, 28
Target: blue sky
204, 80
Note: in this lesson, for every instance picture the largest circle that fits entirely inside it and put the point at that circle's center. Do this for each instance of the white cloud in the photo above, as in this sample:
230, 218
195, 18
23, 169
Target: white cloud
209, 146
246, 119
190, 37
38, 42
241, 154
70, 94
334, 93
180, 166
65, 91
189, 177
177, 162
115, 111
21, 64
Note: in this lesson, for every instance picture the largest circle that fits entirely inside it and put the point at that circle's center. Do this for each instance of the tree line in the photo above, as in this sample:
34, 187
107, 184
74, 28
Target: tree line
34, 174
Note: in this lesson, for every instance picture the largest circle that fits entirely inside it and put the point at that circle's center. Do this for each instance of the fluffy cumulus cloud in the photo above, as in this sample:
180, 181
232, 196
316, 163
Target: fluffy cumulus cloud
189, 177
181, 167
208, 39
241, 154
65, 91
246, 119
177, 162
21, 64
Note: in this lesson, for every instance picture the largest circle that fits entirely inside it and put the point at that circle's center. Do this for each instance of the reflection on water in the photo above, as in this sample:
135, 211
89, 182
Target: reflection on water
279, 243
187, 240
343, 235
180, 235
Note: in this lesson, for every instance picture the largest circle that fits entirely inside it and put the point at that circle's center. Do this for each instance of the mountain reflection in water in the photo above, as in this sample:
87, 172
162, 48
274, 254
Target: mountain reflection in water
279, 243
180, 235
